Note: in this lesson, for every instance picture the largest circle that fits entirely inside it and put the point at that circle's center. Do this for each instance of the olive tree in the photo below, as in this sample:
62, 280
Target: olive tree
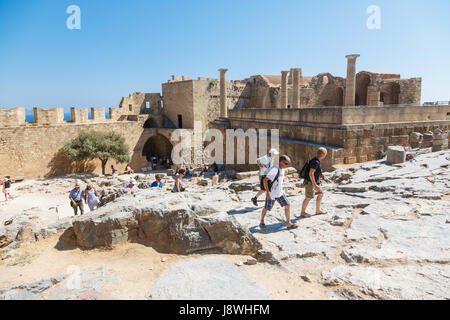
98, 145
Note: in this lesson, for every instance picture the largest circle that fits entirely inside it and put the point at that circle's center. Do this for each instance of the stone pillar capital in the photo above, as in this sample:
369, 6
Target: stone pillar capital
223, 70
352, 56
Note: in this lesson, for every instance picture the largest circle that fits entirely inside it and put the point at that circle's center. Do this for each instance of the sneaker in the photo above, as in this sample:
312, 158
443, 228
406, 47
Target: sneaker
255, 201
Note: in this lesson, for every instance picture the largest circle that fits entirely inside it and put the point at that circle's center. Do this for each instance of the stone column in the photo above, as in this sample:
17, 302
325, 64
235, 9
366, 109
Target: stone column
373, 96
284, 91
296, 79
350, 86
223, 94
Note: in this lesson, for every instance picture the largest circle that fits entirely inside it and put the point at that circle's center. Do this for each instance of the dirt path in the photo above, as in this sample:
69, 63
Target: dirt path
138, 267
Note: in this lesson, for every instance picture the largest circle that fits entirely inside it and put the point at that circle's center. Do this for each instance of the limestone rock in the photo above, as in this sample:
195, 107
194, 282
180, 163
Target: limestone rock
209, 278
168, 224
395, 154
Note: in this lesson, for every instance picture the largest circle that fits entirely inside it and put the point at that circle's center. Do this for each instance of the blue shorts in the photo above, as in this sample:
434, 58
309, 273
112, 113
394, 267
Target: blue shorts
283, 201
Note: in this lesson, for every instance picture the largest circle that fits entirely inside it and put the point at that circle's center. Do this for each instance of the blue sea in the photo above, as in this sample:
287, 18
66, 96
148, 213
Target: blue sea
29, 117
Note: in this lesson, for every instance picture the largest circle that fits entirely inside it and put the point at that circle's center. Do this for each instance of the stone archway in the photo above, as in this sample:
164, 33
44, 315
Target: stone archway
395, 93
362, 83
157, 146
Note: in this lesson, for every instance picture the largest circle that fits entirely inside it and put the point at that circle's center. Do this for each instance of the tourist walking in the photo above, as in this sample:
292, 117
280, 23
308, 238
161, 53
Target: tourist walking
76, 199
312, 173
273, 186
178, 186
157, 183
6, 188
265, 163
91, 197
113, 170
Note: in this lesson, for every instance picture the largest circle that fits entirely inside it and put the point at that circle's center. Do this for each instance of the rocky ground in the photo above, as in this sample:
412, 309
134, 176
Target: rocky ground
385, 236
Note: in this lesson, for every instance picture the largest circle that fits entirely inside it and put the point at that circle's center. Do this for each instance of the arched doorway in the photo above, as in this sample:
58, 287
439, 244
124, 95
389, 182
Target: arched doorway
157, 148
395, 93
151, 123
362, 83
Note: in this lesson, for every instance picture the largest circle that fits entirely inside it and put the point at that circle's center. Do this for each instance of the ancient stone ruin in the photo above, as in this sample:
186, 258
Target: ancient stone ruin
355, 118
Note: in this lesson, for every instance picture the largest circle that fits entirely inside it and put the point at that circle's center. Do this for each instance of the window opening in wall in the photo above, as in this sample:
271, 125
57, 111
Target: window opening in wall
180, 121
147, 104
130, 107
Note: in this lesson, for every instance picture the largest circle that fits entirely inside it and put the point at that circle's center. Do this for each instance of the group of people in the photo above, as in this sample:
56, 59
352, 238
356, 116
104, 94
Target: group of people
128, 170
91, 196
5, 184
271, 183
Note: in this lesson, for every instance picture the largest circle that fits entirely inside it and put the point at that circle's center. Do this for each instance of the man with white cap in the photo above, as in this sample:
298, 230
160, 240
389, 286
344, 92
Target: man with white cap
265, 163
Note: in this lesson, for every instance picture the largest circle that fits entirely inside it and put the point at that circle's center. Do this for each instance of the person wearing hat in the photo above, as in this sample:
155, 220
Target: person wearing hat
132, 185
274, 192
76, 199
265, 163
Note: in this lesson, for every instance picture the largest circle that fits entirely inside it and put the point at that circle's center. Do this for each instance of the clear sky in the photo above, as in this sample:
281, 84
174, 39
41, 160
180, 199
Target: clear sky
135, 45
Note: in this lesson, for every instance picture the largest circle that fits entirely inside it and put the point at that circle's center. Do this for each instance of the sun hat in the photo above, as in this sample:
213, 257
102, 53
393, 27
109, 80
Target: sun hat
133, 181
274, 151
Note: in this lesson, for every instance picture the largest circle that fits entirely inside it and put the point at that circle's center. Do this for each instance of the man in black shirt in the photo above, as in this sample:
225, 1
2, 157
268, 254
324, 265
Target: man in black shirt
312, 182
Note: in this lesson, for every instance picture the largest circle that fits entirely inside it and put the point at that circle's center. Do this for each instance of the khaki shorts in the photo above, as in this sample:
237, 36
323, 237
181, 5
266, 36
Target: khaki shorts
309, 190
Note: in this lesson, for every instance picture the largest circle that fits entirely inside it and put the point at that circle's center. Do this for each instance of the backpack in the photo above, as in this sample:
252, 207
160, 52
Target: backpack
304, 172
270, 183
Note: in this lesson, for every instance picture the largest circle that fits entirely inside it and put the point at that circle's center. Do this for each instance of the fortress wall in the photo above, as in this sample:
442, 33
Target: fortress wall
34, 151
178, 100
331, 115
387, 114
48, 116
362, 134
98, 114
12, 117
79, 115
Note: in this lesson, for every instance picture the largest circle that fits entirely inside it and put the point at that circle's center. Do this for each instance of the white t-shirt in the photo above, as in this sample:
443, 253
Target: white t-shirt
277, 187
266, 162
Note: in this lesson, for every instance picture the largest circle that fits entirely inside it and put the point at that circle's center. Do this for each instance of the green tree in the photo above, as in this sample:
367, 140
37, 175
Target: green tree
98, 145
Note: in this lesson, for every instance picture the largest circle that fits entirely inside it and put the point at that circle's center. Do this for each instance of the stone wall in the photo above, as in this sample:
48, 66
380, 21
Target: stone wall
351, 134
13, 117
48, 116
34, 151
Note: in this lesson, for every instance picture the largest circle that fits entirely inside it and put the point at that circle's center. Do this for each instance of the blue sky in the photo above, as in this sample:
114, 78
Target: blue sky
135, 45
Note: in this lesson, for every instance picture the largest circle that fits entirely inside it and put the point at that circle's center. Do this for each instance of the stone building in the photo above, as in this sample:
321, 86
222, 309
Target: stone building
355, 118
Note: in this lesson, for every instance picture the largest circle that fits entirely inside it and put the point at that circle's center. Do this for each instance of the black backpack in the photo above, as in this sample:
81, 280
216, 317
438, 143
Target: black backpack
270, 183
304, 172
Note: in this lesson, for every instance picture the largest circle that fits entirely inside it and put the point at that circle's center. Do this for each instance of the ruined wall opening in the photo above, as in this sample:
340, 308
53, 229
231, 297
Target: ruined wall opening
158, 147
362, 83
395, 93
151, 123
340, 96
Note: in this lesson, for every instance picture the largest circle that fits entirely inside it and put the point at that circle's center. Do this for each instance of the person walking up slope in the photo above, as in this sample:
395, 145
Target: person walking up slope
265, 163
312, 181
273, 186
